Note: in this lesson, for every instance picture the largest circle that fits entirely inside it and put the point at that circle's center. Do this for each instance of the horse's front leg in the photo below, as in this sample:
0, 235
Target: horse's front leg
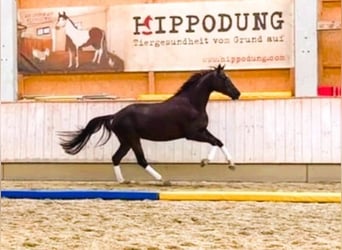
70, 58
212, 154
206, 136
228, 156
76, 58
223, 148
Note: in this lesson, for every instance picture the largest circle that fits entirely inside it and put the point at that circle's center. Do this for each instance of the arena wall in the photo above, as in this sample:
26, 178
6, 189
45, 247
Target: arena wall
295, 139
299, 132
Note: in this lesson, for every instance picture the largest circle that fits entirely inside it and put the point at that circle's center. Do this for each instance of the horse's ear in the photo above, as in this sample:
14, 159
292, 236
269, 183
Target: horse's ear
220, 67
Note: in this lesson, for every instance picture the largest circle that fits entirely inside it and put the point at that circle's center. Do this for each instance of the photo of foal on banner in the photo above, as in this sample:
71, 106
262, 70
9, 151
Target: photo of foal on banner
157, 37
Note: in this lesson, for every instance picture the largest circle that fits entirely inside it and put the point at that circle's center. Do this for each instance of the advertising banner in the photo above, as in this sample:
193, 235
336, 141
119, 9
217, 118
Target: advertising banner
241, 34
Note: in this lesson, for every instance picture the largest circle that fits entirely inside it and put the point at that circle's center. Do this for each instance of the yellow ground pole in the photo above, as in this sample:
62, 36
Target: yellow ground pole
313, 197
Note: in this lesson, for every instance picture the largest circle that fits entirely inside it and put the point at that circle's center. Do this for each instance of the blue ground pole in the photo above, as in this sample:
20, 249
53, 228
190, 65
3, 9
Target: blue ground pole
80, 194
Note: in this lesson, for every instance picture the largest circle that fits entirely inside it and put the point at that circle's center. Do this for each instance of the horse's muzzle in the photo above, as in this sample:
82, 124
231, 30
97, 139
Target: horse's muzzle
236, 96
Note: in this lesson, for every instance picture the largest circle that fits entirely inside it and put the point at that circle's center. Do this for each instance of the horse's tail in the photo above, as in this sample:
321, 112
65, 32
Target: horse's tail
73, 141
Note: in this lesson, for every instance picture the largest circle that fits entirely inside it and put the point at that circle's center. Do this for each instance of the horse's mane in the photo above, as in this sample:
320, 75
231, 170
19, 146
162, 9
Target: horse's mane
192, 81
72, 22
68, 18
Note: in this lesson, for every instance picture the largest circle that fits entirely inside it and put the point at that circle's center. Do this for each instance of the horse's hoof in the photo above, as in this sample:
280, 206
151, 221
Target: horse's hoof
167, 183
204, 162
125, 182
231, 167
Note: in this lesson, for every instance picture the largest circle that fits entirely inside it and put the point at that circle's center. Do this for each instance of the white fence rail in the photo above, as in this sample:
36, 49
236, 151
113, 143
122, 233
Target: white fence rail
301, 130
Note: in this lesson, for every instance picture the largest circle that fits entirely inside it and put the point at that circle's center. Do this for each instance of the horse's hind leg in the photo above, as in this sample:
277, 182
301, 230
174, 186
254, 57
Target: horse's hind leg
99, 55
139, 154
116, 159
95, 55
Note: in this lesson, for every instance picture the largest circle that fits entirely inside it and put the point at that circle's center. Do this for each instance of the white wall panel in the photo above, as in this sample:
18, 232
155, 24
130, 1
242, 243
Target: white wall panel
280, 131
326, 136
255, 119
289, 136
316, 130
298, 130
239, 131
261, 131
335, 131
269, 122
247, 128
306, 129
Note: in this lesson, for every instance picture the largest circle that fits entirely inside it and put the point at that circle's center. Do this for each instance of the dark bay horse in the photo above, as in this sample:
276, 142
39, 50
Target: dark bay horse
181, 116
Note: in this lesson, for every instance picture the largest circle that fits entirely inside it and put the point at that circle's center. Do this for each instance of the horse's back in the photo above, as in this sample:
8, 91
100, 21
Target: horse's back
155, 121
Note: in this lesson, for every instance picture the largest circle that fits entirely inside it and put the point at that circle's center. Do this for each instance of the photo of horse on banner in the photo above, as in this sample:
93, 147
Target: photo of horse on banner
79, 38
66, 43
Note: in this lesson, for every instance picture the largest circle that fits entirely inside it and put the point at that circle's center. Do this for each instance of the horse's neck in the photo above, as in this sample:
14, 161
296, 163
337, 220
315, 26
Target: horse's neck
70, 28
77, 36
199, 95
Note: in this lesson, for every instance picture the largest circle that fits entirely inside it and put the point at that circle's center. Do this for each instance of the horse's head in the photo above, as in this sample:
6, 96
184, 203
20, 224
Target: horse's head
223, 84
61, 20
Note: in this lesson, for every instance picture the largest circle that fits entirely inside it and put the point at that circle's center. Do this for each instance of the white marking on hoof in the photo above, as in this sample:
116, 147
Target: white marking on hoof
212, 153
118, 174
153, 172
226, 154
231, 166
204, 162
210, 157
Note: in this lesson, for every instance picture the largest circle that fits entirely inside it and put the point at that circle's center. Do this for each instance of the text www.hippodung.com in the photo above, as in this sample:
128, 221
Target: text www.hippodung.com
244, 59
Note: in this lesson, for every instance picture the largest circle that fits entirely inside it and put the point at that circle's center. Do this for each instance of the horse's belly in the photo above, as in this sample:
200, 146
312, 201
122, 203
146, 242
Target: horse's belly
160, 137
161, 133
